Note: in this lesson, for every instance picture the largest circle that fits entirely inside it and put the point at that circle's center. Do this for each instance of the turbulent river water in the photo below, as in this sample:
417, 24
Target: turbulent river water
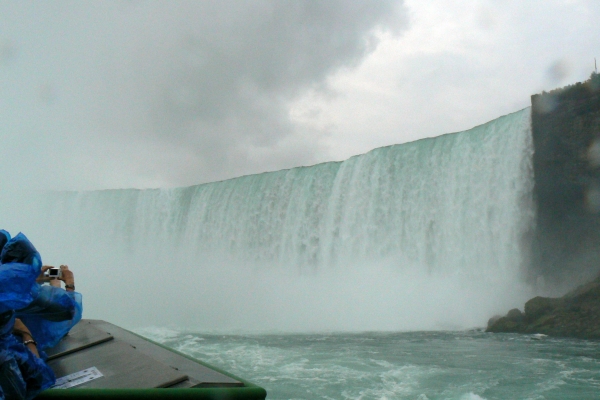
461, 365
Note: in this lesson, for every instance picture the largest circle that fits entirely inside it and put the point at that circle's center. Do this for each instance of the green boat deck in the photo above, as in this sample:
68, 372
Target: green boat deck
100, 360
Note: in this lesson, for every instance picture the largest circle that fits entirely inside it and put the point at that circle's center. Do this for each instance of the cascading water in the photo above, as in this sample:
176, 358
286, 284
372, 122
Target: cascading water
424, 235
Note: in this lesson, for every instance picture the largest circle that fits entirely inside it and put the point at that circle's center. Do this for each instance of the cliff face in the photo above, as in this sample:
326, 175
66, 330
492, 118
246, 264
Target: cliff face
566, 136
566, 245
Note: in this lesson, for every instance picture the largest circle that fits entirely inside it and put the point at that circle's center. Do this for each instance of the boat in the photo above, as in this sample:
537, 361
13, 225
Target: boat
99, 360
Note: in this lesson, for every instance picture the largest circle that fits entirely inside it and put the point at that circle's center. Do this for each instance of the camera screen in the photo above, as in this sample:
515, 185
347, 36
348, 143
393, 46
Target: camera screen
53, 272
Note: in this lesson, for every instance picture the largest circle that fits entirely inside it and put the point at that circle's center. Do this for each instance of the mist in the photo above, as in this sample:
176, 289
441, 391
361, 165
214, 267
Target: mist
426, 235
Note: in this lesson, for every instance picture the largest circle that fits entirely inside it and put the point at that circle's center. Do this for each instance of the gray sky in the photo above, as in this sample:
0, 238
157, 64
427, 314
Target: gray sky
116, 94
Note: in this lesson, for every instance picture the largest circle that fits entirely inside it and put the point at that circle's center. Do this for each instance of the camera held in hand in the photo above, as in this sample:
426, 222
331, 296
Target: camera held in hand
53, 273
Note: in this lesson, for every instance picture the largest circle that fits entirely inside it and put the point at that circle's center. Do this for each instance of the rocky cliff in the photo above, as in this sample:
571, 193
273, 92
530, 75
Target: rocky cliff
566, 244
566, 135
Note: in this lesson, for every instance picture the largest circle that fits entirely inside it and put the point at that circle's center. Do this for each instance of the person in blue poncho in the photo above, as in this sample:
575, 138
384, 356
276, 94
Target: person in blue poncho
54, 311
23, 373
32, 318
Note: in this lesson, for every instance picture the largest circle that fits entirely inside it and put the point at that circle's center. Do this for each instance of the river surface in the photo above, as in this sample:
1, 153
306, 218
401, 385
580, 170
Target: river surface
406, 365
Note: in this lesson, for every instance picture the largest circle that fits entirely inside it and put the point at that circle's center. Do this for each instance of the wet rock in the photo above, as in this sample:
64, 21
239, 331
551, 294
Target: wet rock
493, 320
515, 315
540, 306
576, 314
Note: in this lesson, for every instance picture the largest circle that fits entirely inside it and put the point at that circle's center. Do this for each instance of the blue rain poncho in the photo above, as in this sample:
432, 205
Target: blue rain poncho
20, 265
48, 312
51, 315
22, 374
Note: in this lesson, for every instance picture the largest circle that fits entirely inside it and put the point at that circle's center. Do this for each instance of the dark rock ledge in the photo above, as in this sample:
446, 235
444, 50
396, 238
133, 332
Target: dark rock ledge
576, 314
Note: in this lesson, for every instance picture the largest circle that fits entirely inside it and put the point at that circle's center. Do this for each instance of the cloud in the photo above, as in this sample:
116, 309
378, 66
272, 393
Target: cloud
460, 64
7, 51
178, 93
557, 71
159, 93
223, 90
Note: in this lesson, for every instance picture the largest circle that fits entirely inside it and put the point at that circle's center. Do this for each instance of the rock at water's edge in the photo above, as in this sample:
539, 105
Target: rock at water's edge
576, 314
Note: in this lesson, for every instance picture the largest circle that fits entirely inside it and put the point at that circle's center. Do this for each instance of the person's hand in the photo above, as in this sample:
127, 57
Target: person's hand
67, 276
42, 278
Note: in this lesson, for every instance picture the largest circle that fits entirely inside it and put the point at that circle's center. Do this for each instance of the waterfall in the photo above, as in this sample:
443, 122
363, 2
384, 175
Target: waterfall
423, 235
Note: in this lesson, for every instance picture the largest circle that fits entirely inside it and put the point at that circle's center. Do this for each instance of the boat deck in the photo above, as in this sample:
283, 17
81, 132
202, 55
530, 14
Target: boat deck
101, 360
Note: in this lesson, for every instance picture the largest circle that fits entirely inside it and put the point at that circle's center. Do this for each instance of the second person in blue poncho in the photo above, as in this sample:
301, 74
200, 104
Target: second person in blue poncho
33, 317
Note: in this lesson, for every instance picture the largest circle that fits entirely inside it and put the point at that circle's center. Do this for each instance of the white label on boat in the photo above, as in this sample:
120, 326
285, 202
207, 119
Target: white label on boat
77, 378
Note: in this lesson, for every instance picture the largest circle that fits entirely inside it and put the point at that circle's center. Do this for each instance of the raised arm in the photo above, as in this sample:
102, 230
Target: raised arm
68, 278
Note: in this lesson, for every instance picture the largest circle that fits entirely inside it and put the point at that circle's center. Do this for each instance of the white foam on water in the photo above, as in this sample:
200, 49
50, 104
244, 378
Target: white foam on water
472, 396
158, 334
413, 365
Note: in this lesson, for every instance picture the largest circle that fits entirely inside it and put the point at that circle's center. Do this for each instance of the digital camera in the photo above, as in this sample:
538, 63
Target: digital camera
53, 273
